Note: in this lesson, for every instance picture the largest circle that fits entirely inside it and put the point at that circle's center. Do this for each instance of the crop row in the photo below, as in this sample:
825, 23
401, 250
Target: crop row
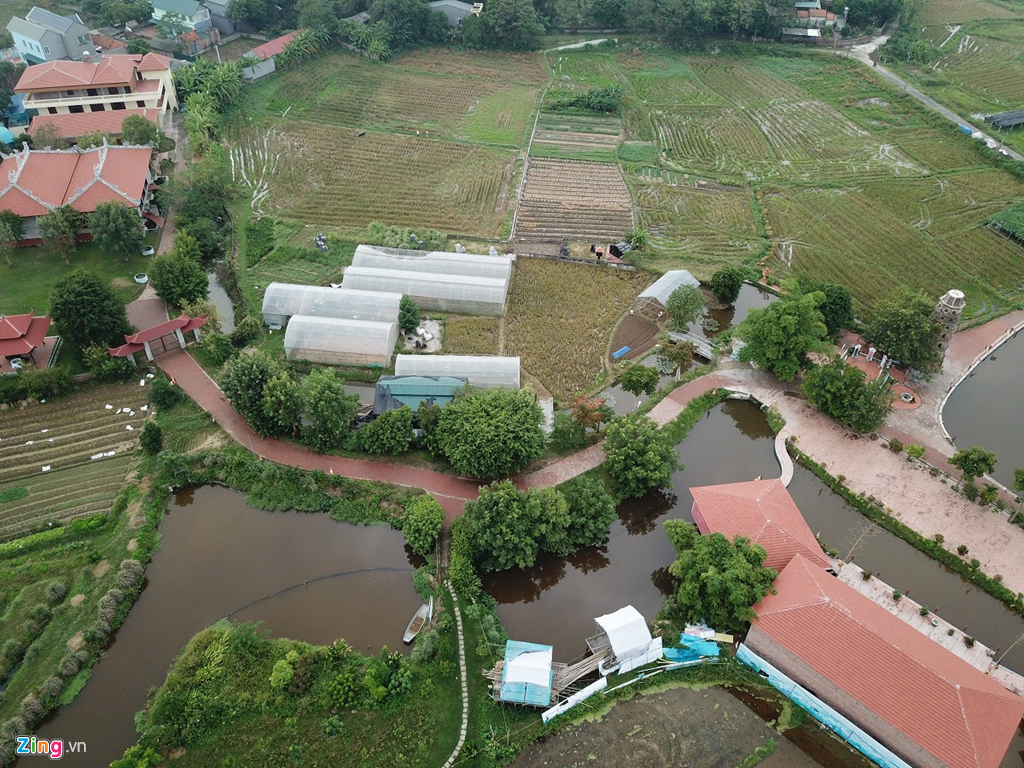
707, 136
586, 69
742, 82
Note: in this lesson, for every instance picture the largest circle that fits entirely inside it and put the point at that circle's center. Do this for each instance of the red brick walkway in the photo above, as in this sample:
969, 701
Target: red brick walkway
452, 492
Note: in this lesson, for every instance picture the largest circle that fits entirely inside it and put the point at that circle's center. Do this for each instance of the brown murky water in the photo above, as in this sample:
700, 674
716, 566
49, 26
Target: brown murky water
556, 601
219, 556
750, 298
988, 409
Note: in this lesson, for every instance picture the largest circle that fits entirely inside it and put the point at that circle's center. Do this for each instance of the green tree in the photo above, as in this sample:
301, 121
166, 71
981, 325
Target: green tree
316, 14
491, 433
281, 404
207, 234
328, 408
678, 354
87, 311
680, 20
715, 580
8, 242
639, 457
172, 24
139, 131
178, 279
844, 393
510, 24
48, 136
95, 139
187, 247
59, 228
609, 14
685, 305
501, 529
389, 434
422, 523
567, 434
139, 46
974, 462
903, 328
591, 511
640, 379
405, 19
1018, 480
117, 228
780, 336
152, 438
549, 511
245, 378
106, 368
726, 283
14, 224
256, 13
408, 314
9, 76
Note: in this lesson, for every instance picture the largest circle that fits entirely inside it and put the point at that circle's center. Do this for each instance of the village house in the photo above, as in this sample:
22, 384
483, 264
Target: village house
36, 181
194, 15
44, 36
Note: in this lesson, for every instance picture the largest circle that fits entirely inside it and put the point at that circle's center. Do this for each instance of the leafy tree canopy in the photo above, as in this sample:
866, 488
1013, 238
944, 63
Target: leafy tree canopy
844, 393
726, 284
491, 433
780, 336
14, 223
639, 457
281, 404
138, 130
87, 311
389, 434
510, 24
408, 314
330, 410
640, 379
59, 229
422, 523
178, 279
591, 511
716, 580
903, 328
117, 228
685, 305
974, 462
501, 529
245, 379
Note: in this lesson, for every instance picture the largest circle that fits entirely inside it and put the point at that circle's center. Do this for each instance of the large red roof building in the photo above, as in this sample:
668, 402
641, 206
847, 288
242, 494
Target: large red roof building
921, 701
762, 511
21, 336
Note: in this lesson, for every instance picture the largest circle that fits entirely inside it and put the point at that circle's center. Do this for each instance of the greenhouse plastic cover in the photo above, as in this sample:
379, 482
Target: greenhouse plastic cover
438, 262
662, 288
288, 299
351, 338
433, 291
627, 631
847, 730
526, 676
484, 371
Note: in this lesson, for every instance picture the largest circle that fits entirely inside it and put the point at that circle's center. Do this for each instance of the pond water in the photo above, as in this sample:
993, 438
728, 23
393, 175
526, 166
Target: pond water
987, 409
556, 601
305, 576
220, 299
751, 297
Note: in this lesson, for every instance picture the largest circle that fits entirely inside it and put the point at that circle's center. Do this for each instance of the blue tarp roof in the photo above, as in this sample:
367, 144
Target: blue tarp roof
527, 673
692, 649
6, 136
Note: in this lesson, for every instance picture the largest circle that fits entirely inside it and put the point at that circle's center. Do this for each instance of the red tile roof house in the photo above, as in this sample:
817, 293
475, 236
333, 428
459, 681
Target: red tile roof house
72, 126
762, 511
34, 182
24, 336
925, 704
264, 54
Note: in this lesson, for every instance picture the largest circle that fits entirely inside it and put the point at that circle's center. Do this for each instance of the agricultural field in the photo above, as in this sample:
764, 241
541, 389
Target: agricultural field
559, 319
573, 200
465, 335
959, 11
576, 138
64, 436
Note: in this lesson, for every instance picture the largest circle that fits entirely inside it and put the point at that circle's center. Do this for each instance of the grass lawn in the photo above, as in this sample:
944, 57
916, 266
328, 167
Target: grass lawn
26, 283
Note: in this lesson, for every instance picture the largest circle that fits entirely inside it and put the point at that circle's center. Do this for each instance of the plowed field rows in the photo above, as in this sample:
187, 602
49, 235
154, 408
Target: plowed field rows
63, 436
574, 200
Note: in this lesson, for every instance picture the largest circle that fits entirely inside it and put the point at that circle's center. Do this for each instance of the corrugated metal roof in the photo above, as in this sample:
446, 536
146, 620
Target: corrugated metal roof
59, 24
187, 8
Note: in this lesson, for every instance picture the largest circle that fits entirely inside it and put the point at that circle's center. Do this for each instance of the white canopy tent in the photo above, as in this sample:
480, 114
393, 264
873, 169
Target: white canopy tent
440, 292
484, 371
662, 288
627, 632
437, 262
284, 300
339, 341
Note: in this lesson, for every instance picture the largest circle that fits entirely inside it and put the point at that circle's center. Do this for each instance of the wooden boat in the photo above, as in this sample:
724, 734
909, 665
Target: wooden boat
418, 620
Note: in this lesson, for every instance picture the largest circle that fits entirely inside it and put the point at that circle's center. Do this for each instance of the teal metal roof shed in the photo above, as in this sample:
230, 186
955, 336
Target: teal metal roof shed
527, 673
396, 391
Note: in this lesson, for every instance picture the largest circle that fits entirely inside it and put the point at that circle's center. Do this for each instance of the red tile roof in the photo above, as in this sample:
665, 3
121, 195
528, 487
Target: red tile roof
184, 323
958, 714
273, 47
34, 182
20, 334
117, 69
762, 511
73, 126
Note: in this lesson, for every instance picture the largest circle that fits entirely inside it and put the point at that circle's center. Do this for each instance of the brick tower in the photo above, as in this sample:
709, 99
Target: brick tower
947, 314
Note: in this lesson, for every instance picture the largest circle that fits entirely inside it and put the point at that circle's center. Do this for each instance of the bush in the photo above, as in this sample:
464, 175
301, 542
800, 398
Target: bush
389, 434
217, 347
259, 239
152, 439
422, 523
897, 595
106, 368
331, 726
248, 329
726, 283
163, 394
605, 100
41, 385
915, 451
895, 445
56, 591
567, 434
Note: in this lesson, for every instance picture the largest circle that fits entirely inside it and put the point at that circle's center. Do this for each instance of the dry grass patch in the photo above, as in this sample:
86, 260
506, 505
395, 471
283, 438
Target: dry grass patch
471, 335
559, 319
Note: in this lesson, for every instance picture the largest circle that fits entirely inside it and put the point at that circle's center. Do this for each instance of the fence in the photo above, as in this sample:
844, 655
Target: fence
575, 699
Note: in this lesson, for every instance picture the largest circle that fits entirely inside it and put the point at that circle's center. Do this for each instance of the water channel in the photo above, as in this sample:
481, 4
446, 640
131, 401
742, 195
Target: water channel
212, 538
220, 299
987, 409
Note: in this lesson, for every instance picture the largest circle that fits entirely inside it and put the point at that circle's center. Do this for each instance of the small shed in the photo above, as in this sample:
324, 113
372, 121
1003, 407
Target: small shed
527, 674
454, 10
340, 341
1010, 119
397, 391
483, 371
658, 292
284, 300
435, 262
465, 294
264, 56
627, 633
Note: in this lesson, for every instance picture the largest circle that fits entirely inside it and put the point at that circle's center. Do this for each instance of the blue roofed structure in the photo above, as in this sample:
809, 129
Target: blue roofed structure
526, 674
396, 391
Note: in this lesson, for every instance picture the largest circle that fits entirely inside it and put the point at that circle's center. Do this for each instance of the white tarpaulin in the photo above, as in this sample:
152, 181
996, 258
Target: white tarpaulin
532, 667
627, 632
